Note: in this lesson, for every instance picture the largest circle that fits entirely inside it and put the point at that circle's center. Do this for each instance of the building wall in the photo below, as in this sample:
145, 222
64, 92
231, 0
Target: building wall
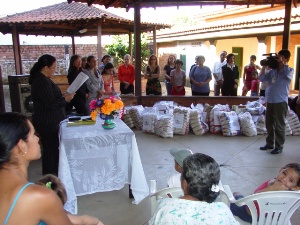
30, 54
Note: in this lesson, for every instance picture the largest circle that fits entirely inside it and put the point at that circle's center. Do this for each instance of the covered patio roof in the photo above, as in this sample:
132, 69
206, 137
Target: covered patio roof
138, 4
69, 19
75, 19
161, 3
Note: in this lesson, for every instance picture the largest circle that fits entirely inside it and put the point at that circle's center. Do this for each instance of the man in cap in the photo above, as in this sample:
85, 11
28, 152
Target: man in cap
179, 155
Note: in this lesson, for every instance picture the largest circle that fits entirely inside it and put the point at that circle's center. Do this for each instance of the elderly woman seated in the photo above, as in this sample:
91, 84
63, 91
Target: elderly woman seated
199, 181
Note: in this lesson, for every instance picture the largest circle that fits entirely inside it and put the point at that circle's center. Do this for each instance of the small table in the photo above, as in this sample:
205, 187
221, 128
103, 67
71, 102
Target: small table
92, 159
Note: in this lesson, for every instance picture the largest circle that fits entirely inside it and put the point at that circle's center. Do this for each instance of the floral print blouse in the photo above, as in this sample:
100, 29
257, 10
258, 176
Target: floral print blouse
174, 211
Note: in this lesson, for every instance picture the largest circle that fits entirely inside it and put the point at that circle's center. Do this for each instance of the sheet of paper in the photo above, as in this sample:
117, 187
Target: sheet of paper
80, 79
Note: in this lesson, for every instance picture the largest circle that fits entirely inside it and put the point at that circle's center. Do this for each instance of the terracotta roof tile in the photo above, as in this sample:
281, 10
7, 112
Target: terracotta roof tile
59, 12
254, 21
65, 19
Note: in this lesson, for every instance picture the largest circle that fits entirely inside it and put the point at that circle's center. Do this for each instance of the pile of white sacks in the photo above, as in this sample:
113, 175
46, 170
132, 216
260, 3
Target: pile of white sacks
167, 118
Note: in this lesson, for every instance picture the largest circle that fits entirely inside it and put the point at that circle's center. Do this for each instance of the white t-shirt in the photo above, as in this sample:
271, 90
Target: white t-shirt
217, 69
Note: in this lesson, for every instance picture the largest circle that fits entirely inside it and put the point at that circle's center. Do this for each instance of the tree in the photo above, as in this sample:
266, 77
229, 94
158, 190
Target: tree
120, 47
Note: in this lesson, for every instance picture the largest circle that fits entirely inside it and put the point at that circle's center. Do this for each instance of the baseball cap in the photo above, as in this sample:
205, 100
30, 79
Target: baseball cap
180, 154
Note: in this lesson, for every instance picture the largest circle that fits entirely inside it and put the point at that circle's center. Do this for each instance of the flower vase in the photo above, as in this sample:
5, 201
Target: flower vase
109, 124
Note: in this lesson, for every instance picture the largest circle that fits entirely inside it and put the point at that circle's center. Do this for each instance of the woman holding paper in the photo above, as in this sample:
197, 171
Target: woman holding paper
82, 94
48, 110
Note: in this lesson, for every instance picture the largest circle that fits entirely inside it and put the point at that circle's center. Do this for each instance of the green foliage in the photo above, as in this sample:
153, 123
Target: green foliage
120, 47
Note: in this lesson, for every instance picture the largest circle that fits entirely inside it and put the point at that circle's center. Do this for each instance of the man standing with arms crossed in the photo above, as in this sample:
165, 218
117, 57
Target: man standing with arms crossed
277, 92
217, 73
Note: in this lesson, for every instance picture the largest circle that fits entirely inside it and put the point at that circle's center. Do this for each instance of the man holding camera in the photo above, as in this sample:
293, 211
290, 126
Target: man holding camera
278, 79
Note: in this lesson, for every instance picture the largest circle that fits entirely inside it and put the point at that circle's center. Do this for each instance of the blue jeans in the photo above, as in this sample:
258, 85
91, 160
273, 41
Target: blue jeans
168, 87
241, 212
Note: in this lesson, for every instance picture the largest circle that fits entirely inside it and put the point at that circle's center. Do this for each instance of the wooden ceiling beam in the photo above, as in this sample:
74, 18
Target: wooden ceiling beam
110, 3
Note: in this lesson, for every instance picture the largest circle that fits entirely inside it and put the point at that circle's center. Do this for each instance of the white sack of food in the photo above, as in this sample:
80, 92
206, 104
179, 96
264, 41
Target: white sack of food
164, 126
230, 123
181, 120
248, 127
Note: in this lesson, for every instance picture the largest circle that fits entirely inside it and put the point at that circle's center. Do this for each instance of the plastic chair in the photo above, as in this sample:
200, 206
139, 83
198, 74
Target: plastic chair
175, 192
268, 208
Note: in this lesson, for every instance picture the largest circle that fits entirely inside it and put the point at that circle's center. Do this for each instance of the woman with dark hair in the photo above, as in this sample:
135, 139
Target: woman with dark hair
230, 77
108, 79
167, 71
48, 110
23, 202
199, 180
178, 79
82, 94
152, 74
95, 82
105, 59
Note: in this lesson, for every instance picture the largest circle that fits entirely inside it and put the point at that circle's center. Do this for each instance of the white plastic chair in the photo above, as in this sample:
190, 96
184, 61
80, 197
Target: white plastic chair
177, 192
174, 192
268, 208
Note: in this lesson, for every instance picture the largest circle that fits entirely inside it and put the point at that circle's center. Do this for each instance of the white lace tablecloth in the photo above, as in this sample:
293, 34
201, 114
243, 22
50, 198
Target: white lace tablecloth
92, 159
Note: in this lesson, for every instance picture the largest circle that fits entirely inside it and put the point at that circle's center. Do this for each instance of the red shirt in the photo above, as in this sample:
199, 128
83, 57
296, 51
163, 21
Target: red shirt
249, 71
262, 186
254, 85
126, 73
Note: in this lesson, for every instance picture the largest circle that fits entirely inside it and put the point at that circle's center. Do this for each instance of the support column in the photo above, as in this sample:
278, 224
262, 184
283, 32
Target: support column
130, 44
73, 45
273, 45
262, 48
154, 41
99, 43
213, 55
2, 102
16, 47
213, 52
137, 50
287, 25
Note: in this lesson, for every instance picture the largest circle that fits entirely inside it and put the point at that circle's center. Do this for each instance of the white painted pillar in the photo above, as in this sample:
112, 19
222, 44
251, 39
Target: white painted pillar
211, 60
273, 45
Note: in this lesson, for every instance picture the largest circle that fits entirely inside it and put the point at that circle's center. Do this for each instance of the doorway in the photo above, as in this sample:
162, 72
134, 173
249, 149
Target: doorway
238, 53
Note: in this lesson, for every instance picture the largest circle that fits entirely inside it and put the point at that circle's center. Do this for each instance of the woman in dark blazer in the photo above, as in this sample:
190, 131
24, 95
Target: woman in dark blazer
48, 110
230, 77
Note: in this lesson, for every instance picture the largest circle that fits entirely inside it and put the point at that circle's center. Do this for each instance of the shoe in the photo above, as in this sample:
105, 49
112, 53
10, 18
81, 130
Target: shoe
276, 151
266, 147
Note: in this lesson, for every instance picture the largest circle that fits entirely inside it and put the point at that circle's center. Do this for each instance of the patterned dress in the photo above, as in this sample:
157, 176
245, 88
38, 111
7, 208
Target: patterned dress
185, 212
153, 86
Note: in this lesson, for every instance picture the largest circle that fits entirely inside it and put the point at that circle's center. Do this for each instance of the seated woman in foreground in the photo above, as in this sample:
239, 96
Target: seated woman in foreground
199, 181
287, 179
23, 202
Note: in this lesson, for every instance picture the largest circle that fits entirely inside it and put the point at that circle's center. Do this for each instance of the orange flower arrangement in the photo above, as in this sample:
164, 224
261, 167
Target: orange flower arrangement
107, 108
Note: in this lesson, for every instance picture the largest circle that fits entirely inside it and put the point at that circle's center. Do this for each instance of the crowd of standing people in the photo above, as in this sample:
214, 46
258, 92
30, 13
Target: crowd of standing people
225, 73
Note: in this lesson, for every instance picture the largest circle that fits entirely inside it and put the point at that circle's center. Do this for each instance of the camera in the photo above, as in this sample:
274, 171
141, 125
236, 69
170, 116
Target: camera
270, 61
